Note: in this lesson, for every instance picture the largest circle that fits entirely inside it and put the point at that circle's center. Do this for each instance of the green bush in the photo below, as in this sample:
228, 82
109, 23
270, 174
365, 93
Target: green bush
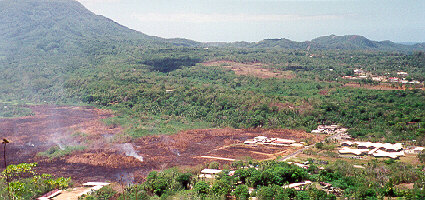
55, 151
241, 192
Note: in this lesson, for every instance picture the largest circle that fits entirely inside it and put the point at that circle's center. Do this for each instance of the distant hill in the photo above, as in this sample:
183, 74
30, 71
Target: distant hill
57, 25
347, 42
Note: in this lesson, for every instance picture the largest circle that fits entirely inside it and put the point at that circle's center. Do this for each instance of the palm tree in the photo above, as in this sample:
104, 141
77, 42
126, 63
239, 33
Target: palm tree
5, 141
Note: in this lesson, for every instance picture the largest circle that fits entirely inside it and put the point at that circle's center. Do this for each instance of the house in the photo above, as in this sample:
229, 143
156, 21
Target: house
260, 139
402, 73
250, 142
357, 152
317, 131
397, 147
414, 150
393, 155
393, 80
365, 145
379, 78
298, 186
358, 71
283, 141
209, 173
347, 144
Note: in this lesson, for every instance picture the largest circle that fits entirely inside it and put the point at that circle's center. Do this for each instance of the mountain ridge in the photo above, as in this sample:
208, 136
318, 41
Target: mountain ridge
66, 25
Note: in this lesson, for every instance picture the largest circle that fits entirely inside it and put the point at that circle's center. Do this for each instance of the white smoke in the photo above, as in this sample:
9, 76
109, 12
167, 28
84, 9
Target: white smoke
129, 151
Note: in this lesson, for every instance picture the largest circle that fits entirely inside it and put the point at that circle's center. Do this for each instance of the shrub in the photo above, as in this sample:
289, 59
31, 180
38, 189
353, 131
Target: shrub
241, 192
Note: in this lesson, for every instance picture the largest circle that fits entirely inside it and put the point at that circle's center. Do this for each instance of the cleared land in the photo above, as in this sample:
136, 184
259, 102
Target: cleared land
105, 160
259, 70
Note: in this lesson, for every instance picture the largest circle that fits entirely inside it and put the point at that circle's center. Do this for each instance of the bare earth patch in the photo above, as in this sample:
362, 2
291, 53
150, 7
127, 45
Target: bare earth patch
252, 69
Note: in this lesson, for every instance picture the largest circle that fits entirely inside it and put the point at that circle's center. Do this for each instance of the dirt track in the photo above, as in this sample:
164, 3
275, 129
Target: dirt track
106, 161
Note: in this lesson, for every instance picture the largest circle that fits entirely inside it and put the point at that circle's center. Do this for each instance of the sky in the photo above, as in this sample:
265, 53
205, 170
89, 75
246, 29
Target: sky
255, 20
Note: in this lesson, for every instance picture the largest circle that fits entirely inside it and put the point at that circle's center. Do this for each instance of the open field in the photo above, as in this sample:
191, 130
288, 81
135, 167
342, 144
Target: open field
252, 69
102, 159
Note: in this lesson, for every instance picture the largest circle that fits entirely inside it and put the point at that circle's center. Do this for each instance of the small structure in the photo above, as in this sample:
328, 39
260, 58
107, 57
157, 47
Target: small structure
393, 80
347, 144
397, 147
329, 129
358, 167
278, 141
393, 155
260, 139
209, 173
359, 71
301, 165
413, 150
373, 149
379, 78
298, 186
250, 142
357, 152
270, 141
402, 73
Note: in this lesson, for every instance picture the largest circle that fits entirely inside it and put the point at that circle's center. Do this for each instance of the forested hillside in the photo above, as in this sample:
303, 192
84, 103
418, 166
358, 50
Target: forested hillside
331, 42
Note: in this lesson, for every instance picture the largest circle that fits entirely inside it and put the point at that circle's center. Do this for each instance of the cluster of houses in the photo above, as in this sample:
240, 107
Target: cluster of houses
263, 140
329, 129
372, 149
361, 74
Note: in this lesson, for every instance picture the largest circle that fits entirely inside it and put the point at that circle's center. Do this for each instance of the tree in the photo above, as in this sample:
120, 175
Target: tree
421, 156
202, 188
184, 180
241, 192
24, 183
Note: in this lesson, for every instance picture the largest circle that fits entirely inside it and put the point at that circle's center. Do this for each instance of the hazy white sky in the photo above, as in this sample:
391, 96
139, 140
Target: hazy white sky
254, 20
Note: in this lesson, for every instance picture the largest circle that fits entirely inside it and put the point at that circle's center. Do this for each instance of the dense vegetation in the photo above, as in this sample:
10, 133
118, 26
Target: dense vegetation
22, 182
378, 179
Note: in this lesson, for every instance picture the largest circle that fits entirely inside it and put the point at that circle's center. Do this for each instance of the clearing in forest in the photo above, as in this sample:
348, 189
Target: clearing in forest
259, 70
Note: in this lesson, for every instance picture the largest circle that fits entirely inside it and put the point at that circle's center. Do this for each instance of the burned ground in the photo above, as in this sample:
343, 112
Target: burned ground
105, 160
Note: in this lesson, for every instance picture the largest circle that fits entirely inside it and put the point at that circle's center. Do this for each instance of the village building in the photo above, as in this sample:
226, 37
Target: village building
357, 152
373, 149
393, 80
413, 150
271, 141
329, 129
209, 173
298, 186
402, 73
359, 71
